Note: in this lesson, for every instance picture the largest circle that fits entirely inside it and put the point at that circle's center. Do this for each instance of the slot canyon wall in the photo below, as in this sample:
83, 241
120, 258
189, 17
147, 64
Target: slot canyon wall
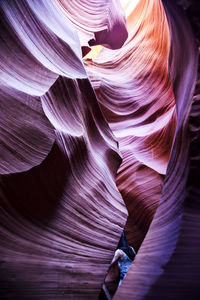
99, 133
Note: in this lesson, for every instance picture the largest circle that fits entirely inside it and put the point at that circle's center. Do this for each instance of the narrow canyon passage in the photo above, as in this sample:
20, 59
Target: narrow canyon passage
99, 139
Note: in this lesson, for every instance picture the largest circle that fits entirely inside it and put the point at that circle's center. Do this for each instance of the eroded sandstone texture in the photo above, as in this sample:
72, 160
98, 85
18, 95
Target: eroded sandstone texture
94, 142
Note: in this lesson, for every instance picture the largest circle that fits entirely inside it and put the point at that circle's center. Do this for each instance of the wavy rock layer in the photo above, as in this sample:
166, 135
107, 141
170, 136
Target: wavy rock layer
100, 22
135, 94
61, 213
167, 263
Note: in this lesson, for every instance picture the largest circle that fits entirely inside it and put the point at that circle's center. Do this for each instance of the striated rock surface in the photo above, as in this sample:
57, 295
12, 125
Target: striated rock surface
91, 146
100, 22
135, 94
167, 264
61, 213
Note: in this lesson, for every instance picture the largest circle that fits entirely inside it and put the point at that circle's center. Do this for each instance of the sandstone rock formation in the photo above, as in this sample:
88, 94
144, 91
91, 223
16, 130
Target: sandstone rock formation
99, 134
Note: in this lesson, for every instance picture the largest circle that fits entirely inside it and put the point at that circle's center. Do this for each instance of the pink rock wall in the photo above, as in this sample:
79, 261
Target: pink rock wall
91, 146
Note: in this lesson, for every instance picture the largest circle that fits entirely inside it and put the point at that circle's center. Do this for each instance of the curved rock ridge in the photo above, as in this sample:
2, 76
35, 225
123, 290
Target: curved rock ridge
61, 220
167, 264
100, 22
41, 42
136, 97
61, 213
84, 141
38, 45
26, 135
